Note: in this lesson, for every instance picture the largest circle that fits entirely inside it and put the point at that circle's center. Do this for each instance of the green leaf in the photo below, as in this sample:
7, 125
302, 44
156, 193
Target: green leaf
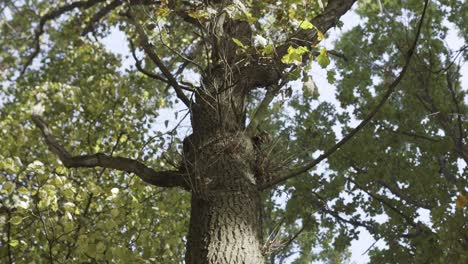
100, 247
239, 43
295, 74
14, 243
331, 76
250, 18
294, 55
306, 25
23, 190
323, 59
268, 50
16, 220
291, 13
8, 187
69, 207
115, 212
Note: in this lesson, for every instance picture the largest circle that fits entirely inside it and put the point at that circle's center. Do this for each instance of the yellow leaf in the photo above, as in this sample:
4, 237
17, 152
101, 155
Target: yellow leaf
291, 13
461, 201
294, 55
306, 25
163, 12
319, 35
198, 14
239, 43
123, 138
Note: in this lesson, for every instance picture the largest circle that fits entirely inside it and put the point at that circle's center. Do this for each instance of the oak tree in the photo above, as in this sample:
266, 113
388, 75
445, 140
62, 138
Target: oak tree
89, 173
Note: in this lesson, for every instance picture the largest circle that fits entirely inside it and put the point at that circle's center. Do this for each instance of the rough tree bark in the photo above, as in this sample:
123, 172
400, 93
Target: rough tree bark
219, 157
225, 221
225, 224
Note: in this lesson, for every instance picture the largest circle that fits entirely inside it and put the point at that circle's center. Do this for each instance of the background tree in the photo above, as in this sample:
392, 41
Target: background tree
78, 126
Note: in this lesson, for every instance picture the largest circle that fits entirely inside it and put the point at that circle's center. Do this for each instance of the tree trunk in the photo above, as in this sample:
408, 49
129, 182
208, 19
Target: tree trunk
224, 229
225, 216
225, 224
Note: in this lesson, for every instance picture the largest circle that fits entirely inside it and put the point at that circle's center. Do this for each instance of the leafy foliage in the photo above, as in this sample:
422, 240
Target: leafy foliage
407, 163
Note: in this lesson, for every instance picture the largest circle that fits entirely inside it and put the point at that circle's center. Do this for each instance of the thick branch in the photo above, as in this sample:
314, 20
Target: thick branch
158, 178
154, 75
309, 165
149, 50
328, 19
140, 67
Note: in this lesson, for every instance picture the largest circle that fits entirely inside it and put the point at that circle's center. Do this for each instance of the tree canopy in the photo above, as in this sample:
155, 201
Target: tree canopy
90, 174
